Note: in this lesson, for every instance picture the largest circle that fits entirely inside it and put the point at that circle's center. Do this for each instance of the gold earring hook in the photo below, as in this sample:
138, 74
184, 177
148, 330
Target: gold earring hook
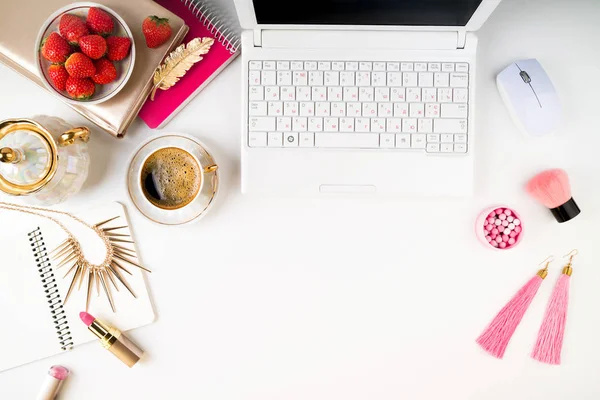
547, 261
567, 270
543, 273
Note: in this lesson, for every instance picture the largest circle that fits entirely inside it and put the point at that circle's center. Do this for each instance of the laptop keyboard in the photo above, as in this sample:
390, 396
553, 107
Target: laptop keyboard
371, 105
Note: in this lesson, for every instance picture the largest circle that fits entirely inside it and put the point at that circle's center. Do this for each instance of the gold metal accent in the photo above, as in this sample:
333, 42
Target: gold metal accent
131, 262
89, 290
116, 264
69, 137
99, 224
116, 342
106, 290
179, 62
11, 125
543, 273
210, 168
69, 253
78, 271
122, 280
10, 156
568, 270
113, 228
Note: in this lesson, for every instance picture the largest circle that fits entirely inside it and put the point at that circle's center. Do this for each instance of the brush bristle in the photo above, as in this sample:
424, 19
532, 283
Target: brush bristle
552, 331
496, 336
551, 188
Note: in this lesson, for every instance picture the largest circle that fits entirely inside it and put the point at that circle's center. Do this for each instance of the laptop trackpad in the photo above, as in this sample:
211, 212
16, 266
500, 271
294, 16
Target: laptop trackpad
358, 189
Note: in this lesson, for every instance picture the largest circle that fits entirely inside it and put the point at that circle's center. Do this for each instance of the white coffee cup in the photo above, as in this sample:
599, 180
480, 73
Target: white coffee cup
204, 198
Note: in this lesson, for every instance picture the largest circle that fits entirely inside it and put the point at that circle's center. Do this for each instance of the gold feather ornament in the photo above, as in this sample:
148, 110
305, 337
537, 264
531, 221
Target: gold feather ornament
70, 255
178, 63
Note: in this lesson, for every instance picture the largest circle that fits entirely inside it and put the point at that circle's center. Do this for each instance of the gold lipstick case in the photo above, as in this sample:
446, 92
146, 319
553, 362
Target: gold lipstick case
117, 343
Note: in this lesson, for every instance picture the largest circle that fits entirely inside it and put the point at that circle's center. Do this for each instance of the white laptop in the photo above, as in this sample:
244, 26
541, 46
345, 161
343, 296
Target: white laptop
361, 96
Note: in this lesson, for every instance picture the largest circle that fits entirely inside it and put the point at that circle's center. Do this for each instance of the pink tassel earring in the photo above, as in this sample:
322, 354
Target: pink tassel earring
550, 337
496, 336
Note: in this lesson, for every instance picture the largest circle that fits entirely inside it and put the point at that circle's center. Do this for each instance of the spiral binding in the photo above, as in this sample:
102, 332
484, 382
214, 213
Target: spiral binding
216, 23
51, 289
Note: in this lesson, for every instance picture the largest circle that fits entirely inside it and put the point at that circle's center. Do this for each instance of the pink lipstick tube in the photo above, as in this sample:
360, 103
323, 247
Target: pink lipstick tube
53, 382
113, 340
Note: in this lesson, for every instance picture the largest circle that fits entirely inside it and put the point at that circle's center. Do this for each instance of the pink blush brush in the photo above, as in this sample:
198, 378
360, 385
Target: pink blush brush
552, 189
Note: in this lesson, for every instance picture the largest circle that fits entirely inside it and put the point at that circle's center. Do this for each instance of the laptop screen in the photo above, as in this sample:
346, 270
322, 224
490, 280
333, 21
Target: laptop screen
365, 12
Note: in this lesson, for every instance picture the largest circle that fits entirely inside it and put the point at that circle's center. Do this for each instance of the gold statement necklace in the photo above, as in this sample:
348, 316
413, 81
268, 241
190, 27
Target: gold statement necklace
69, 253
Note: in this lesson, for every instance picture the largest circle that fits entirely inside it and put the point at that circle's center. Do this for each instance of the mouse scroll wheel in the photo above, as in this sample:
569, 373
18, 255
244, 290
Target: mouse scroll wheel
525, 76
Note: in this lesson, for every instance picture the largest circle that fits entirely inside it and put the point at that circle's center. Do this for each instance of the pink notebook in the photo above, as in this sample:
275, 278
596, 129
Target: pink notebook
220, 25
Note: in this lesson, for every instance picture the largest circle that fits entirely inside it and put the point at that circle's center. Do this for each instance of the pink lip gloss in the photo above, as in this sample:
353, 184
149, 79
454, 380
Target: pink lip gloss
53, 382
499, 227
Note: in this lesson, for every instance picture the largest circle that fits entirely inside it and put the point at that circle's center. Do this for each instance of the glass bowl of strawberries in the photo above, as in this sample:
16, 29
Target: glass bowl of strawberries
85, 53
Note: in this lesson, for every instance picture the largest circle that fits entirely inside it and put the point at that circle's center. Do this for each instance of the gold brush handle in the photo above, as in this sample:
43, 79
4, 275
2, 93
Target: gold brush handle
70, 136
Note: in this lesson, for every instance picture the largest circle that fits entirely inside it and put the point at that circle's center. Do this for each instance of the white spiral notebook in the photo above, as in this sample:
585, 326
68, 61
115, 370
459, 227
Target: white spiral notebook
35, 322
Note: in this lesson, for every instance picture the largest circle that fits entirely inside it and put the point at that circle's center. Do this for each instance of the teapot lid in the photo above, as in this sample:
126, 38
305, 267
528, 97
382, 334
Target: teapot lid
28, 156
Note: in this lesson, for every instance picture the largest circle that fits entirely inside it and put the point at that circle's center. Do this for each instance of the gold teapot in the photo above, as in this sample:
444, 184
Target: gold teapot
43, 159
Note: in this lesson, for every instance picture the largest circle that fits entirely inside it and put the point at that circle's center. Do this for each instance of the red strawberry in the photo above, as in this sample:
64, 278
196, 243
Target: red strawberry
55, 49
93, 46
72, 27
156, 31
78, 65
105, 72
99, 21
59, 76
80, 89
118, 47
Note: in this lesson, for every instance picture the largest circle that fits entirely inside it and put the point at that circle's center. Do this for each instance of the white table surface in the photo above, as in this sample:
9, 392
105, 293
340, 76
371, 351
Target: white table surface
270, 298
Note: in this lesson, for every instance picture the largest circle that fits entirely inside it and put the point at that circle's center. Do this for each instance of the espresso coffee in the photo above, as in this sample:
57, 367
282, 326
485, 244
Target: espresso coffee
171, 178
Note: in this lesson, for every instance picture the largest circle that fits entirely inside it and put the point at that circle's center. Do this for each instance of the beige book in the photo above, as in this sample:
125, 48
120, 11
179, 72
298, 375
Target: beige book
22, 20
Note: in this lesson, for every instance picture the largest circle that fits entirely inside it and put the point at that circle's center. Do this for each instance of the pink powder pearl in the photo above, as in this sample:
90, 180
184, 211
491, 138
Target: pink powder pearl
511, 241
506, 231
498, 211
502, 217
505, 238
502, 245
511, 226
493, 243
493, 235
492, 214
499, 239
507, 212
518, 229
517, 222
512, 234
495, 231
510, 219
488, 238
491, 220
498, 222
505, 223
489, 228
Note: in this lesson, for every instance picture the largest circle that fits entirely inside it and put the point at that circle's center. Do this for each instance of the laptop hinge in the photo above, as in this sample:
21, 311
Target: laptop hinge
257, 38
462, 39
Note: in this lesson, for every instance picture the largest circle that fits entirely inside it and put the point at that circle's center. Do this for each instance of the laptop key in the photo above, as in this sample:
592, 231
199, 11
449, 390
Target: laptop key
262, 124
347, 140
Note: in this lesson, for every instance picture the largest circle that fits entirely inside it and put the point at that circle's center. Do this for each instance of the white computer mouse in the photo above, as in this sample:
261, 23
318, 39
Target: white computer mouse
530, 97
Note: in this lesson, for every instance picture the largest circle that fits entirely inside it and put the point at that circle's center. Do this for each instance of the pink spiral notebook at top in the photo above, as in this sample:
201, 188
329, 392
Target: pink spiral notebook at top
205, 19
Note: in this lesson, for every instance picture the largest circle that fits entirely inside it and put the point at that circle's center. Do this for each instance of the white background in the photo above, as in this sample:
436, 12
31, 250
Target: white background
347, 298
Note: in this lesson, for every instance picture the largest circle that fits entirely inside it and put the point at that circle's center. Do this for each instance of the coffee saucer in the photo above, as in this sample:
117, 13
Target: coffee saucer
203, 200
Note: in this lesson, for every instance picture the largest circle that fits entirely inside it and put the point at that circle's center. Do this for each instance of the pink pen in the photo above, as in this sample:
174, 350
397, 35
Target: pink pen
53, 382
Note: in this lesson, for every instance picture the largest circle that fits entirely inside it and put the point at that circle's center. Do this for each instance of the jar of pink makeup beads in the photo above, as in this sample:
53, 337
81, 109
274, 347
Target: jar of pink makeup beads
499, 227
